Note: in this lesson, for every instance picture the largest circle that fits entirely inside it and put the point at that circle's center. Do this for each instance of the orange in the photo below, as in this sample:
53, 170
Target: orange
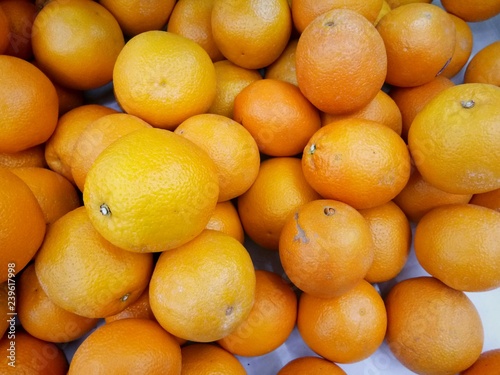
7, 306
55, 194
283, 68
490, 199
420, 40
193, 20
341, 61
484, 67
29, 105
271, 319
231, 79
146, 181
396, 3
68, 98
472, 12
128, 346
251, 34
84, 62
60, 147
359, 162
22, 222
386, 8
164, 78
278, 116
95, 137
463, 48
137, 16
201, 291
4, 31
432, 328
345, 329
30, 355
411, 100
305, 11
460, 245
487, 364
382, 109
30, 157
225, 219
312, 366
280, 188
140, 309
454, 139
326, 248
391, 234
43, 319
21, 15
208, 359
418, 197
85, 274
230, 146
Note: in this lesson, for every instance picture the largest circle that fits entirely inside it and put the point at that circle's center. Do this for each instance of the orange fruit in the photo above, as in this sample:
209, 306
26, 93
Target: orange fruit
55, 194
164, 78
193, 20
341, 61
68, 98
251, 35
305, 11
312, 366
140, 309
487, 364
382, 109
460, 245
396, 3
7, 306
454, 139
83, 62
21, 15
85, 274
60, 147
280, 188
386, 8
209, 359
484, 67
4, 31
326, 248
230, 146
135, 16
345, 329
95, 137
146, 181
28, 97
418, 197
225, 219
411, 100
30, 355
420, 40
134, 346
472, 12
201, 291
43, 319
359, 162
283, 68
231, 79
22, 222
391, 234
277, 115
271, 319
431, 328
30, 157
490, 199
463, 47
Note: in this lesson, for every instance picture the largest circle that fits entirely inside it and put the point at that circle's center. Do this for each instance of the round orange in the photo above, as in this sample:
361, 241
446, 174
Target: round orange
463, 47
472, 12
283, 68
225, 219
31, 157
140, 309
312, 366
484, 67
487, 363
208, 359
490, 199
21, 15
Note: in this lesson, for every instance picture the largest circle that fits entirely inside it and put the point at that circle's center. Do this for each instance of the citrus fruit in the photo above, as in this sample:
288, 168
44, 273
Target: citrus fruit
6, 308
454, 139
225, 219
346, 328
271, 320
463, 47
277, 115
386, 8
85, 274
484, 67
432, 328
140, 309
147, 181
21, 15
4, 31
326, 248
341, 62
312, 366
202, 290
472, 12
487, 363
164, 78
68, 98
31, 157
134, 346
491, 199
209, 359
283, 68
396, 3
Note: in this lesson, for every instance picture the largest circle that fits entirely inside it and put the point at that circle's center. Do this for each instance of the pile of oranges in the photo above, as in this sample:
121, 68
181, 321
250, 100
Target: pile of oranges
329, 133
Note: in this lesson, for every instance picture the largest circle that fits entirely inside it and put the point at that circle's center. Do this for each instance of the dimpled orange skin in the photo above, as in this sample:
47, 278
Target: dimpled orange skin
491, 199
484, 67
209, 359
312, 366
472, 11
487, 364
